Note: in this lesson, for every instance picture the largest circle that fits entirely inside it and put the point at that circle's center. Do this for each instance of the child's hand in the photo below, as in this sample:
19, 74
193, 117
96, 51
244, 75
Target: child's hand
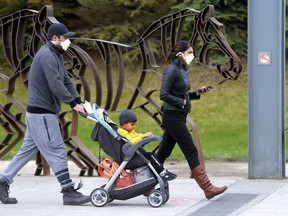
148, 134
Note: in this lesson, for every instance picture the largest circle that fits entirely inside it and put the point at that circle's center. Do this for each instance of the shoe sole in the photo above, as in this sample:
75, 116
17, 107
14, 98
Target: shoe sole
210, 197
78, 203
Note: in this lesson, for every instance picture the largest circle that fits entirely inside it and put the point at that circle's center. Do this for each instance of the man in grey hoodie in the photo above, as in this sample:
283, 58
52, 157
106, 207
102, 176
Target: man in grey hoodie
49, 85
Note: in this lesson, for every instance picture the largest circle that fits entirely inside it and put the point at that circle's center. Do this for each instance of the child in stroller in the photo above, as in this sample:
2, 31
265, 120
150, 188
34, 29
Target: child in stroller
128, 156
127, 120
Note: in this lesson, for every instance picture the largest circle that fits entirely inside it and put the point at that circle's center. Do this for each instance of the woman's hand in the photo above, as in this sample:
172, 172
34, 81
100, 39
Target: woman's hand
184, 103
203, 90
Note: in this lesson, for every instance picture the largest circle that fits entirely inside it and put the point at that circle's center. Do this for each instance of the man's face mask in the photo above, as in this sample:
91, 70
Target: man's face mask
65, 44
189, 58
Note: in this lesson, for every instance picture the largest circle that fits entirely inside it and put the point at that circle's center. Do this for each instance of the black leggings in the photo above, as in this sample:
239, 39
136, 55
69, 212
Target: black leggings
174, 123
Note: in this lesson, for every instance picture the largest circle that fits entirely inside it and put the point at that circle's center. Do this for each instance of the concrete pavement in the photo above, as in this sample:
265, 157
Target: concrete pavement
39, 195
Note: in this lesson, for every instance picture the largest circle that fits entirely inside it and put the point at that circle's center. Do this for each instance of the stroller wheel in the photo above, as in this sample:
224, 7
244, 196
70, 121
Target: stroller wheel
166, 195
99, 197
110, 199
155, 198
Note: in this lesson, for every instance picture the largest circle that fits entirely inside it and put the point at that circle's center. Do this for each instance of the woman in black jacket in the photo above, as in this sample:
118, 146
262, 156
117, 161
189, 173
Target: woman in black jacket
176, 95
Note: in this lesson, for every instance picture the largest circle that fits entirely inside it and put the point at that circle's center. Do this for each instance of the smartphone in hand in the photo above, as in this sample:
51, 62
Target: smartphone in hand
204, 89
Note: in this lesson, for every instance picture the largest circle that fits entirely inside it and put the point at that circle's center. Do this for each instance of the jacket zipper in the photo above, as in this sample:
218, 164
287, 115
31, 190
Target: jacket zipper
46, 127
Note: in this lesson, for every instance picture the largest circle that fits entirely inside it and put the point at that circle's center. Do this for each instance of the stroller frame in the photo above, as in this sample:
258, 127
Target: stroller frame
108, 192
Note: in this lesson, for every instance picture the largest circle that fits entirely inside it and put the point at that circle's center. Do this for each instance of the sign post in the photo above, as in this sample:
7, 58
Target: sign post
266, 88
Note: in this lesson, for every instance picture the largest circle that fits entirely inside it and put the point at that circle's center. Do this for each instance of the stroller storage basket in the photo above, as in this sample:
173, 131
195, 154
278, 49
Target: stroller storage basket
142, 173
133, 190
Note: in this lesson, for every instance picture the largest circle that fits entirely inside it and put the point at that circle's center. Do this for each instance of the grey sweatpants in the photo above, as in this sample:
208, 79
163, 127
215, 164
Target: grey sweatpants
43, 134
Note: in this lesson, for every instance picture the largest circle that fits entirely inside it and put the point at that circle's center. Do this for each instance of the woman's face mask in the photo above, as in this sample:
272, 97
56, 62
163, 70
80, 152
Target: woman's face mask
189, 58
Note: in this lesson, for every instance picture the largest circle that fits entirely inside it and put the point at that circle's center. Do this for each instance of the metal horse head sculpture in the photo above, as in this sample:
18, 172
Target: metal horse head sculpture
24, 32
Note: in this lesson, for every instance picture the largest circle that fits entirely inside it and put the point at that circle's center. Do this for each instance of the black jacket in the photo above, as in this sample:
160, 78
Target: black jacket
175, 88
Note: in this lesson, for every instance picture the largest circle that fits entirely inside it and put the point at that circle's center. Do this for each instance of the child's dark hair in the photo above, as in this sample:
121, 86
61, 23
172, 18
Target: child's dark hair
180, 46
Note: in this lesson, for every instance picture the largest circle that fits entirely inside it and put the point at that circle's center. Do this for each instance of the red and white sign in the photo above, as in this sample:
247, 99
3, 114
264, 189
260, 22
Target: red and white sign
264, 58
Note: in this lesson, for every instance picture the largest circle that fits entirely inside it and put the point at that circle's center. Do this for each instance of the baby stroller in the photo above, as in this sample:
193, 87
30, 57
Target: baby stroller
142, 174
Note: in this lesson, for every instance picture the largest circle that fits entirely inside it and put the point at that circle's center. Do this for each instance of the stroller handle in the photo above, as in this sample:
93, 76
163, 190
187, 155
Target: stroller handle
83, 114
97, 119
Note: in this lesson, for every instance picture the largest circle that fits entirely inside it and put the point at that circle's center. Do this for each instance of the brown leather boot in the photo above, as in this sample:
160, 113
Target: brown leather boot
203, 181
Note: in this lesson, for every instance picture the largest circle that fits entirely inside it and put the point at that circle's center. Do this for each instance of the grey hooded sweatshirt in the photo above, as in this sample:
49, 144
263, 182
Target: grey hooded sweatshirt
49, 83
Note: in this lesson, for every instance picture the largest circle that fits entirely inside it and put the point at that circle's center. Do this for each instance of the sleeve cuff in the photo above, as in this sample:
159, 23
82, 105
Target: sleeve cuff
194, 96
78, 100
73, 103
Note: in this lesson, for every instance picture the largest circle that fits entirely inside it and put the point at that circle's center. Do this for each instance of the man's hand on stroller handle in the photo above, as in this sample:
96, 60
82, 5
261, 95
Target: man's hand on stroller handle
80, 109
88, 110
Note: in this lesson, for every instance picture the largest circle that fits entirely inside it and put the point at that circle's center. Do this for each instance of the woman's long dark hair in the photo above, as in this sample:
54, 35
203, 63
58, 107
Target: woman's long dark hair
180, 46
